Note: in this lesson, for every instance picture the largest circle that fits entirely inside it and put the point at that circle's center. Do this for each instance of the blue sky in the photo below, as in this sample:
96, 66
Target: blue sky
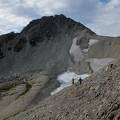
104, 1
102, 16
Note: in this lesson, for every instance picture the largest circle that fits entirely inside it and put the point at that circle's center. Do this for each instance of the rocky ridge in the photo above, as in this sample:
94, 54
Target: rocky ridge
43, 44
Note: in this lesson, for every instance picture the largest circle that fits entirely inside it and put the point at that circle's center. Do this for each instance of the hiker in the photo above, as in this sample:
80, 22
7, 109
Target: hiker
111, 65
80, 80
107, 68
73, 81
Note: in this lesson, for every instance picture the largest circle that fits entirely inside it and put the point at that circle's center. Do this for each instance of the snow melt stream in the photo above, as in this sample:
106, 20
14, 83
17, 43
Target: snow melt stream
65, 80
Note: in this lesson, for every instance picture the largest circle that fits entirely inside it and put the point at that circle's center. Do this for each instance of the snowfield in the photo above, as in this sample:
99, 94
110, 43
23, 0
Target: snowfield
97, 64
65, 80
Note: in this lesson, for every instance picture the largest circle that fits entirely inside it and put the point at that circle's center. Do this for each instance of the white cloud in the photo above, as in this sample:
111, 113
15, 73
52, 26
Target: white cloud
15, 14
103, 18
107, 20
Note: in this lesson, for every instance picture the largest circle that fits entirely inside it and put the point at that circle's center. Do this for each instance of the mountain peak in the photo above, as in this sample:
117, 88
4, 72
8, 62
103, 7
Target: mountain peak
49, 26
50, 36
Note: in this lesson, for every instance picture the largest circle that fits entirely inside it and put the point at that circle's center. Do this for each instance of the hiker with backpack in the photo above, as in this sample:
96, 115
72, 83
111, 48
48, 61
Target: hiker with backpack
80, 80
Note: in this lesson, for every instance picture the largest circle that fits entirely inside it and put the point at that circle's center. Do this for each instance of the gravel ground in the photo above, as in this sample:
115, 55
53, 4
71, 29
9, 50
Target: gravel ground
97, 98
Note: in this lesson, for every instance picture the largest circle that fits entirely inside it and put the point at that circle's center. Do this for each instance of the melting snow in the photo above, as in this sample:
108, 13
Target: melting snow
93, 41
76, 51
97, 64
85, 50
65, 80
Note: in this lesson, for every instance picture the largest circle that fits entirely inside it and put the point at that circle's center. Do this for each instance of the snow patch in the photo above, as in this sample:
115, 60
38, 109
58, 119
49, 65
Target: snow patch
85, 50
76, 51
97, 64
65, 80
92, 41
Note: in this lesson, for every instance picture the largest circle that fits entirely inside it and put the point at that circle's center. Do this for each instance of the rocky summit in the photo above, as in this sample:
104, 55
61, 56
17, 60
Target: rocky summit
31, 61
43, 44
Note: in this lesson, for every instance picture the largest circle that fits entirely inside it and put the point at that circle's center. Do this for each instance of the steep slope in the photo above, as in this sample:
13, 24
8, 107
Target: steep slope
97, 98
22, 91
42, 45
105, 47
56, 44
91, 53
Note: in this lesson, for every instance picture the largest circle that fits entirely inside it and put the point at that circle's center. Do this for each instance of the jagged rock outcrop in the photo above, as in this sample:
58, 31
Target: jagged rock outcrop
7, 43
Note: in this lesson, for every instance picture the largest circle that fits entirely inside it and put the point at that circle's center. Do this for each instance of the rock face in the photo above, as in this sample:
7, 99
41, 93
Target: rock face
7, 43
55, 44
43, 44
